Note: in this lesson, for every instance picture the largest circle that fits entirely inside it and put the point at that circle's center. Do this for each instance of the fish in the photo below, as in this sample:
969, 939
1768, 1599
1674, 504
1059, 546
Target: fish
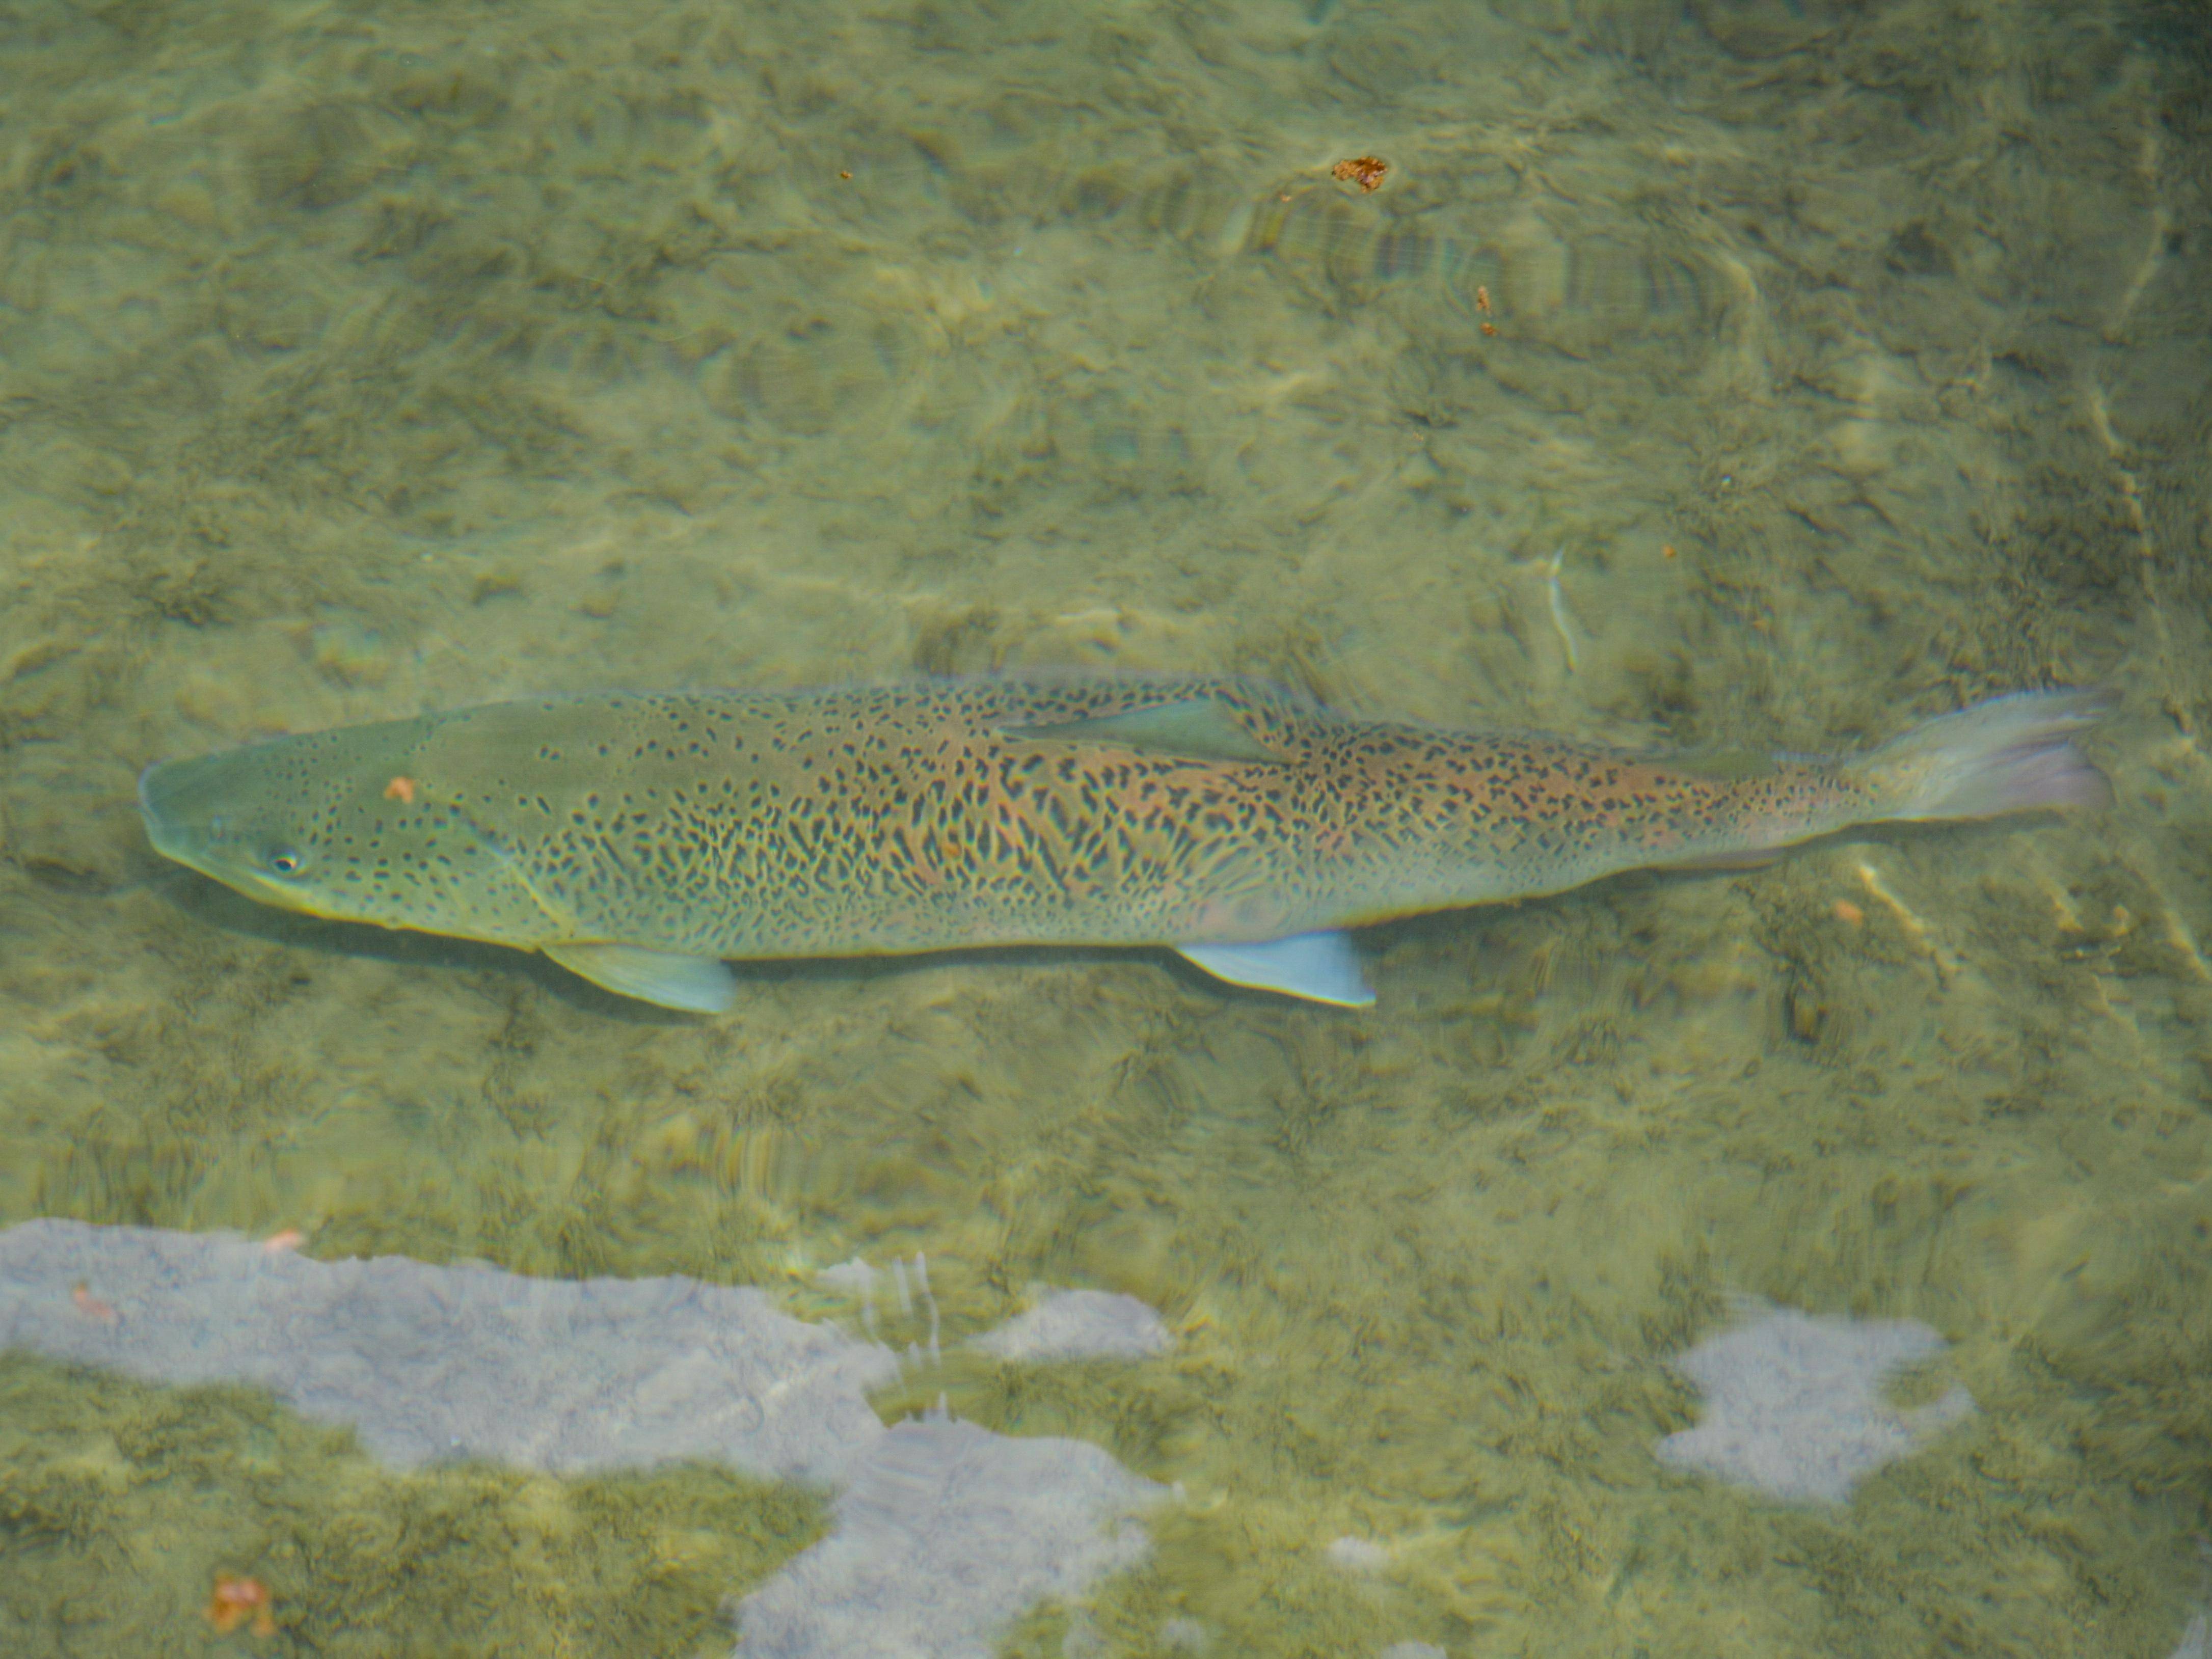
645, 840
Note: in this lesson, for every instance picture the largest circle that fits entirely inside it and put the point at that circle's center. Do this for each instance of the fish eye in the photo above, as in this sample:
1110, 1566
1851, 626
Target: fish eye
283, 860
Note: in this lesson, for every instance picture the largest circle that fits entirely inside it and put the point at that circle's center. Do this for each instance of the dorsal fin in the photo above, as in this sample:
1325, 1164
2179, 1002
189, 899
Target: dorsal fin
1196, 728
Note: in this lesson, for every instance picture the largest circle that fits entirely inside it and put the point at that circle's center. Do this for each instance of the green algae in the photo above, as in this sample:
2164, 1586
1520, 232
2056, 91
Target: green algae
121, 1503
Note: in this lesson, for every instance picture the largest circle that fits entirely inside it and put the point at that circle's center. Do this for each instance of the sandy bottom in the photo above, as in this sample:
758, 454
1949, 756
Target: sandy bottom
1762, 373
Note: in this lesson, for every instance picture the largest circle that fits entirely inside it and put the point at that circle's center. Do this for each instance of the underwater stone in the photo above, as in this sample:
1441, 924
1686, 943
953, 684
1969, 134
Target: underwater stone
430, 1362
1078, 1325
1794, 1406
1361, 1555
944, 1533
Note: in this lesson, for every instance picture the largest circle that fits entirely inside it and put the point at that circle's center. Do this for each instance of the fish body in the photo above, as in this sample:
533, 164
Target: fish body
641, 839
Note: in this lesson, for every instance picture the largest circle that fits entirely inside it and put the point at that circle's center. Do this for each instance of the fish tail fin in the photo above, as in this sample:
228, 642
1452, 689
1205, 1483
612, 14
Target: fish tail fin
2011, 754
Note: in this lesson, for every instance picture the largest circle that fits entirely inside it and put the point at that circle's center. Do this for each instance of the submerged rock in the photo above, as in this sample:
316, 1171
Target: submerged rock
945, 1533
1078, 1325
1793, 1403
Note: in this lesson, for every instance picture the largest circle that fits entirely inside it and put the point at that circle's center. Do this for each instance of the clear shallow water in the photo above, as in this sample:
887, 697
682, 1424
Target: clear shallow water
1846, 360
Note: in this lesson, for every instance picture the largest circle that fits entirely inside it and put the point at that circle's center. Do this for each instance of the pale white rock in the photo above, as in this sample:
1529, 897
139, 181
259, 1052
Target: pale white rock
1360, 1555
427, 1362
1793, 1406
945, 1533
1078, 1325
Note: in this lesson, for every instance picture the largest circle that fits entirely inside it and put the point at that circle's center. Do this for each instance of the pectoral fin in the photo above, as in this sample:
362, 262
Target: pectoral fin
1197, 728
1319, 967
700, 984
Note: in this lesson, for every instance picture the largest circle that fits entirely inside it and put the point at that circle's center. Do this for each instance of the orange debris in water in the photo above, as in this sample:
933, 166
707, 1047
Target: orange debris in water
1666, 551
92, 1307
1848, 913
1364, 171
290, 1239
1482, 298
400, 789
241, 1600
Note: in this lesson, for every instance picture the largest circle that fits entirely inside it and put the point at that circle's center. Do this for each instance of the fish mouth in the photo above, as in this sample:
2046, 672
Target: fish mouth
164, 827
181, 803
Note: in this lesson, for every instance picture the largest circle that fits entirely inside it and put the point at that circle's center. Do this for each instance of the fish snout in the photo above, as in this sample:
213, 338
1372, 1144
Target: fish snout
146, 808
182, 802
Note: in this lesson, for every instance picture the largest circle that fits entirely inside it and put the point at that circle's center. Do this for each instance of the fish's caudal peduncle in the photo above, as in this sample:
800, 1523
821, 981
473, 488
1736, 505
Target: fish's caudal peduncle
643, 840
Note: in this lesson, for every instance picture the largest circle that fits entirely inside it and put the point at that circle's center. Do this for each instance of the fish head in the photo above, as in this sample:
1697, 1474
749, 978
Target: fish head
341, 824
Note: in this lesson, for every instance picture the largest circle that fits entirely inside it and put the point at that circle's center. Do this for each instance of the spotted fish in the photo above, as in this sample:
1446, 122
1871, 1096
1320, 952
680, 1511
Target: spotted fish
642, 840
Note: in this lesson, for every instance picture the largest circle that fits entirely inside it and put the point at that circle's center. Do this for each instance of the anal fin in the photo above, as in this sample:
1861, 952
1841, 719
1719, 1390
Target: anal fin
1318, 967
701, 985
